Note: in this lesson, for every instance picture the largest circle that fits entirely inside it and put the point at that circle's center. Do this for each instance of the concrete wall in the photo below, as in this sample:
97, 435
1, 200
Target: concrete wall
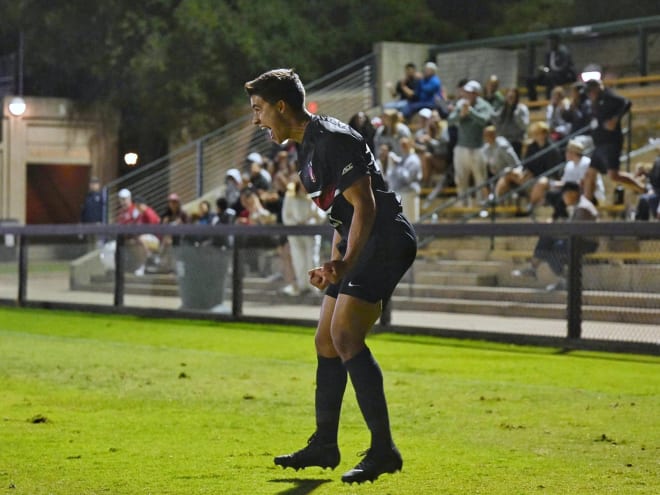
51, 132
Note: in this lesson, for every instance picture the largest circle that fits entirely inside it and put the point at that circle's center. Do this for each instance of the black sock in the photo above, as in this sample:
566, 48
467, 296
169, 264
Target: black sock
367, 380
330, 385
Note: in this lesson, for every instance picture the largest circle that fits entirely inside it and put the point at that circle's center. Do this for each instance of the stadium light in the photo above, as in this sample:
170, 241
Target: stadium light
131, 159
17, 106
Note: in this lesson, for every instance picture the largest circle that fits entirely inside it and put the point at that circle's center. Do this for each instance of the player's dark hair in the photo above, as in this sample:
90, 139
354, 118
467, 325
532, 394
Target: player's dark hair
276, 85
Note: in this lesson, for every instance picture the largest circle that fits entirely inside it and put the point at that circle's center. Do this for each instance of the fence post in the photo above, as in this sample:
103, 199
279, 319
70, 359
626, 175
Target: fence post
237, 279
119, 270
200, 167
574, 293
22, 269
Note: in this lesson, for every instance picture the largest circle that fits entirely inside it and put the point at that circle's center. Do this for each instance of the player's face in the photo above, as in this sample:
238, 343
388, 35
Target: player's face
267, 116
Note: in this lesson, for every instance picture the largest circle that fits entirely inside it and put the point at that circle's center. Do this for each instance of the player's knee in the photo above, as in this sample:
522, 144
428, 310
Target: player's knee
346, 344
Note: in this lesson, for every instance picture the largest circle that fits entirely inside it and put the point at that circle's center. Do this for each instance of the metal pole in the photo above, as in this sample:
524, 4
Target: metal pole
119, 271
22, 269
574, 294
643, 52
629, 144
237, 279
200, 167
21, 51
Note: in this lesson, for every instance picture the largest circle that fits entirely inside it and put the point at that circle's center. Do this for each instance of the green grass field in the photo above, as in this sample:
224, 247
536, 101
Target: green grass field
119, 405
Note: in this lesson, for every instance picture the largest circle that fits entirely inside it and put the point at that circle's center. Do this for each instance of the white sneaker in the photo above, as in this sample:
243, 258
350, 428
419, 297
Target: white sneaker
524, 272
290, 290
559, 285
139, 272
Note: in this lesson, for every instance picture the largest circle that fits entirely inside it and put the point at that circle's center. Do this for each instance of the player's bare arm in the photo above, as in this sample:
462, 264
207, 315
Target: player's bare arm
360, 195
316, 275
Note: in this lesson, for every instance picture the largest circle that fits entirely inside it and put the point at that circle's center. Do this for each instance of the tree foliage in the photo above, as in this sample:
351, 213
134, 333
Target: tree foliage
172, 66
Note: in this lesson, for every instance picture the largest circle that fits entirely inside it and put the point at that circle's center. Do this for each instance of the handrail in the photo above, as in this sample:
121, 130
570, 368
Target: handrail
501, 173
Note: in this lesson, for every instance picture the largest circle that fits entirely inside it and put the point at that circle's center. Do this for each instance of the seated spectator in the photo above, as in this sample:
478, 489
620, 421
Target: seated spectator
428, 93
386, 158
432, 146
391, 131
555, 251
362, 123
538, 160
285, 169
492, 94
648, 204
554, 114
512, 120
259, 178
139, 248
298, 209
147, 214
233, 187
498, 153
224, 215
404, 179
558, 69
575, 168
404, 90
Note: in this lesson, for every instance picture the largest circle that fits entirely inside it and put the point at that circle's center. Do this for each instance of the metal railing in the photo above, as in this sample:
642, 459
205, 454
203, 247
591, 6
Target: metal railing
199, 168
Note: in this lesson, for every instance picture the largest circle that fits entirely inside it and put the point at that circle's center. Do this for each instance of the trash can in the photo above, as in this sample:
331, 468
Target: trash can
201, 273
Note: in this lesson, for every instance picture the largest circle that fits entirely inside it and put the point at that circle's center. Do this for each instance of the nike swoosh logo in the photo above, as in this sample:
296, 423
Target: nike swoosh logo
351, 284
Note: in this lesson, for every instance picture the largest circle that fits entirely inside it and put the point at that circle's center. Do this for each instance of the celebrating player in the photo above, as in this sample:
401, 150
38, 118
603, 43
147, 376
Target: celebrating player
373, 246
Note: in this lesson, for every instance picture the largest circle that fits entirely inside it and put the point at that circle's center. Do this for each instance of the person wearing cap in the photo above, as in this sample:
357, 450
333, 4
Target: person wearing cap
470, 115
607, 109
428, 93
558, 69
128, 212
548, 190
554, 251
233, 186
260, 179
432, 145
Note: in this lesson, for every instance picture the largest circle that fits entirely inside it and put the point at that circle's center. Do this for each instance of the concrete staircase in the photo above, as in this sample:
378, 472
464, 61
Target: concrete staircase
466, 276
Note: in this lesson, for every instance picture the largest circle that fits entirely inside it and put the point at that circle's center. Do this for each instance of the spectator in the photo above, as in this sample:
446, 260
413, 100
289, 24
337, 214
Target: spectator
386, 158
92, 211
512, 120
471, 115
92, 208
549, 190
555, 251
137, 247
174, 215
224, 215
578, 113
284, 171
432, 146
404, 90
260, 179
298, 209
362, 123
648, 205
557, 70
428, 93
150, 242
608, 108
148, 215
498, 152
404, 179
128, 212
554, 114
492, 94
204, 214
539, 158
391, 131
233, 186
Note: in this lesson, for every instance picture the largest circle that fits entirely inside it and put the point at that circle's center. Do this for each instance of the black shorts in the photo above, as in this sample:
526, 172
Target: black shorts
606, 157
385, 259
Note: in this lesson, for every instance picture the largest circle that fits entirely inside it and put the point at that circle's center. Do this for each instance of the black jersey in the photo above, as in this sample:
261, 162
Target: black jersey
331, 158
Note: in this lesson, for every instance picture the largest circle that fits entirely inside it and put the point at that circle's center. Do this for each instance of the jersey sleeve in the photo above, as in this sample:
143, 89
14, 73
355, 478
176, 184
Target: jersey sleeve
352, 161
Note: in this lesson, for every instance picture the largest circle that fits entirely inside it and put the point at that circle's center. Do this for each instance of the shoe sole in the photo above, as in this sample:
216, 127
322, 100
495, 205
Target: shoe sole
359, 480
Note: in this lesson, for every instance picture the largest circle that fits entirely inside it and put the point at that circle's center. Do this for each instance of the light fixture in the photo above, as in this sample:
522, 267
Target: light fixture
591, 71
131, 159
17, 106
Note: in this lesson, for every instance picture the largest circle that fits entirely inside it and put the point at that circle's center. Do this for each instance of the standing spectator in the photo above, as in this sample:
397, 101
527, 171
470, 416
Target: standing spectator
92, 211
233, 187
555, 251
391, 131
578, 113
298, 209
492, 93
92, 208
539, 158
404, 179
224, 215
432, 145
554, 114
428, 93
404, 90
557, 70
174, 215
471, 115
608, 108
512, 120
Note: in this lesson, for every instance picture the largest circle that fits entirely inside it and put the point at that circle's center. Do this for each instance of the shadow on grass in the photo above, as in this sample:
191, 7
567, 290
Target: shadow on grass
302, 486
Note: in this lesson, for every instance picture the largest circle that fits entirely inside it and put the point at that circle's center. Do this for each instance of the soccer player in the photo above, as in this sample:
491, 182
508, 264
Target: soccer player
373, 246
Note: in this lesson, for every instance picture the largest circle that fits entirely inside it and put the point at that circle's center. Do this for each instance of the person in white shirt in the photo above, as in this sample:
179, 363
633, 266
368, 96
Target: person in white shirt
404, 178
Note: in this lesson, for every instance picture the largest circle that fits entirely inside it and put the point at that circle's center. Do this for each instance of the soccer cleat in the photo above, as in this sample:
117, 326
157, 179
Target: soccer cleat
373, 465
314, 454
